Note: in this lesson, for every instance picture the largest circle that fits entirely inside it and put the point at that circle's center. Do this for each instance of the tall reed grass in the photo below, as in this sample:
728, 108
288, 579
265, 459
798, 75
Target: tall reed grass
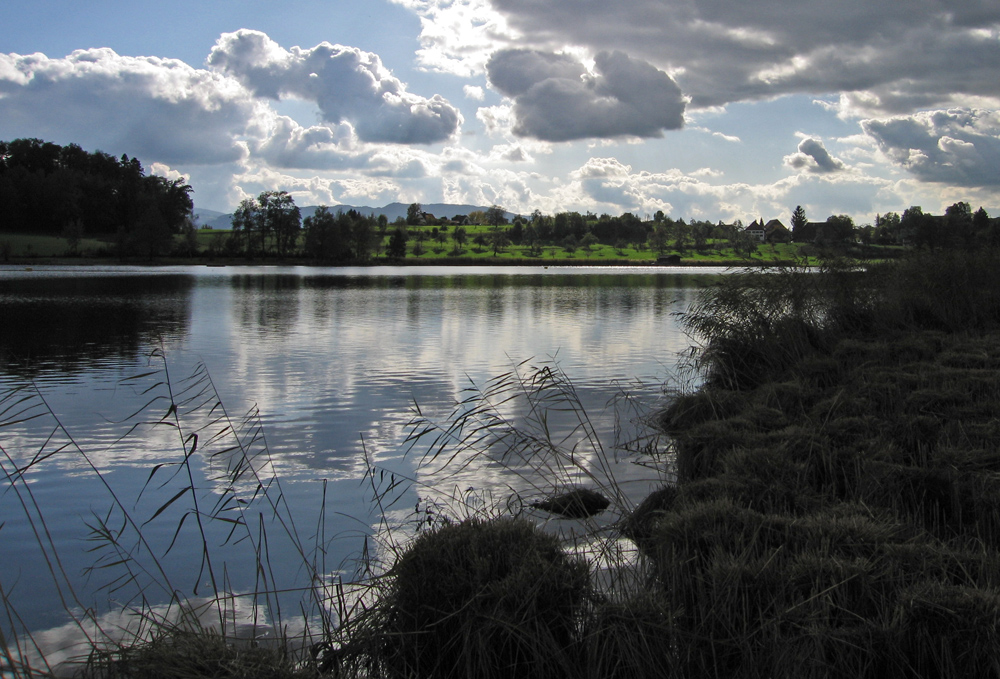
217, 496
521, 590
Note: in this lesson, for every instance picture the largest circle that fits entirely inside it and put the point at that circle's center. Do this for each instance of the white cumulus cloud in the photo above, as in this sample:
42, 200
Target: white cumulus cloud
153, 108
346, 83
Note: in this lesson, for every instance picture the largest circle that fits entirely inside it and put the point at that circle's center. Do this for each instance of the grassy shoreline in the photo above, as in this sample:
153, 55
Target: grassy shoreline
31, 250
451, 262
838, 504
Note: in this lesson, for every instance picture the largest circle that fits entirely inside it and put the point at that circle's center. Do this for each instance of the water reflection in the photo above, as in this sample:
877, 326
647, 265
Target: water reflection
266, 303
335, 361
51, 324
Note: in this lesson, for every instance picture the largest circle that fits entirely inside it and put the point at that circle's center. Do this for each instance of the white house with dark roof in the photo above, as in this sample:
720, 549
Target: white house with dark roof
756, 230
772, 232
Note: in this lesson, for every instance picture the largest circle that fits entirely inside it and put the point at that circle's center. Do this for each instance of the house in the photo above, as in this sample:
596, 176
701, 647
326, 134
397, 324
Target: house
756, 230
771, 232
776, 232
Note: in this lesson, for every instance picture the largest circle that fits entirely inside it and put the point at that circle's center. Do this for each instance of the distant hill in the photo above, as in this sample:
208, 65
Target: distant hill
212, 218
222, 220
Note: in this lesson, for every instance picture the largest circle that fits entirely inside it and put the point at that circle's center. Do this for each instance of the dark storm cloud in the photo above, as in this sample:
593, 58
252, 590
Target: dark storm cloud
960, 146
931, 50
556, 99
346, 83
514, 72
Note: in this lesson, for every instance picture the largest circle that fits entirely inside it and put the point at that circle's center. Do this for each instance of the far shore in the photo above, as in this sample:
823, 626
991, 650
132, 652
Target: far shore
476, 262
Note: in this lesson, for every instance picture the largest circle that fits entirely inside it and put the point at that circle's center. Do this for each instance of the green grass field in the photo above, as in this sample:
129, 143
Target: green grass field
212, 243
29, 246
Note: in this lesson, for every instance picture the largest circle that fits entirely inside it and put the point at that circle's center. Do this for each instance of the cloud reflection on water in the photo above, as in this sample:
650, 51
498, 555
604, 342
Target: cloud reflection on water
328, 359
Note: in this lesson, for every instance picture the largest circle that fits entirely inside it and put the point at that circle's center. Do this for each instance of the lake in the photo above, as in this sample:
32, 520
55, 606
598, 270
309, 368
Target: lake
320, 372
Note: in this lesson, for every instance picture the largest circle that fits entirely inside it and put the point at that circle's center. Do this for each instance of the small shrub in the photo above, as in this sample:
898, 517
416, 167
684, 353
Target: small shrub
770, 481
819, 371
480, 599
791, 397
701, 450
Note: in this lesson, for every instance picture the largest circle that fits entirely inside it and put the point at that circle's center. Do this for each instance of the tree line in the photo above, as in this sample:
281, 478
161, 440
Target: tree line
65, 191
958, 227
271, 225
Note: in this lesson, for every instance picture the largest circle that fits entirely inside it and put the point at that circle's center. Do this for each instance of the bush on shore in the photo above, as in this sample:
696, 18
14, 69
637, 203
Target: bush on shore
478, 598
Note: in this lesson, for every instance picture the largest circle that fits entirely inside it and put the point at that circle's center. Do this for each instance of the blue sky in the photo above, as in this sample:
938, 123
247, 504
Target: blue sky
701, 108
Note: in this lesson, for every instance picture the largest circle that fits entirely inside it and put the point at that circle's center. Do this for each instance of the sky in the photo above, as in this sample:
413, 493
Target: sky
704, 109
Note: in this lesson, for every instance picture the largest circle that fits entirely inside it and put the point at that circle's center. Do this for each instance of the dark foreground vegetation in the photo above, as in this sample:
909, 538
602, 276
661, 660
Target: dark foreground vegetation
838, 504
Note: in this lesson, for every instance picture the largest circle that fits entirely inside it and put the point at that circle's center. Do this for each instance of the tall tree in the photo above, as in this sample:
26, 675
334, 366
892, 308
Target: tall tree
838, 230
397, 243
981, 227
282, 219
149, 235
363, 236
887, 229
681, 233
324, 237
517, 231
530, 238
799, 222
245, 225
498, 239
914, 227
659, 238
459, 236
414, 214
496, 216
959, 224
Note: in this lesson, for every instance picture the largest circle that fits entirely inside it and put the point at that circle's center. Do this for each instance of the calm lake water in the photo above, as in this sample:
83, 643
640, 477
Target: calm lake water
334, 360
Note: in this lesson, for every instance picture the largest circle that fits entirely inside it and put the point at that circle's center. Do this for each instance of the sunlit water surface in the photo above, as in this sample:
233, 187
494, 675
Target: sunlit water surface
335, 360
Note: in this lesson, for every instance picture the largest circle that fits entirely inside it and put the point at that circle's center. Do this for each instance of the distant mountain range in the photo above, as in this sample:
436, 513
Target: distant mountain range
223, 220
